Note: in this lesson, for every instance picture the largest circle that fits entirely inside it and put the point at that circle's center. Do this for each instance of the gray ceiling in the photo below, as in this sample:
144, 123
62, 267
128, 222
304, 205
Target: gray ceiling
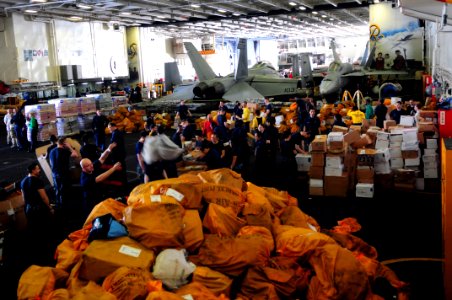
194, 18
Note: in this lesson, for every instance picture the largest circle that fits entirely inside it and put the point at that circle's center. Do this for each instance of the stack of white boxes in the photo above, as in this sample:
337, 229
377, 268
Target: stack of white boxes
410, 148
303, 162
381, 145
430, 159
45, 116
334, 164
65, 107
86, 105
395, 151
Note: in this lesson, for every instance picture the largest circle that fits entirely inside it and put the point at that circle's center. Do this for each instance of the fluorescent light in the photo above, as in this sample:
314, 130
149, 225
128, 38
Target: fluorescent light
236, 14
195, 5
302, 8
126, 13
75, 18
31, 11
292, 4
331, 19
314, 13
324, 16
38, 1
135, 24
221, 10
83, 6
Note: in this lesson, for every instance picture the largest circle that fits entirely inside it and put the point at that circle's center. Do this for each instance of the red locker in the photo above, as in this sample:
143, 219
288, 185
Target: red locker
445, 123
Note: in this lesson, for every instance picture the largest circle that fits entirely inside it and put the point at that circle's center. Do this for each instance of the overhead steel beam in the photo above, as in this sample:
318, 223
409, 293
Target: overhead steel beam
276, 12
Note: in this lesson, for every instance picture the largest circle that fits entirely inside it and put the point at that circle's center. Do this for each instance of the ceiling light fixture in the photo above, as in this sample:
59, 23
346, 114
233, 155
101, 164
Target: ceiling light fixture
83, 6
126, 13
221, 10
75, 18
195, 5
236, 14
38, 1
331, 19
135, 24
324, 16
292, 4
302, 8
31, 11
314, 13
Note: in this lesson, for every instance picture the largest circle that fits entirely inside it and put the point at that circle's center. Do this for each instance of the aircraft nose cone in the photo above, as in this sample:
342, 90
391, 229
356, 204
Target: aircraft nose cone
328, 87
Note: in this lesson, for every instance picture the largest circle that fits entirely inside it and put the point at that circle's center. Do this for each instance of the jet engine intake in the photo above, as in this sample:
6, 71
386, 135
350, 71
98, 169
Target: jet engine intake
200, 90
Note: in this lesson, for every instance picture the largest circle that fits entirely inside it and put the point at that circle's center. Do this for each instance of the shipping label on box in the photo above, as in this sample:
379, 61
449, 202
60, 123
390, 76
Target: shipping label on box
333, 161
407, 146
366, 157
396, 162
336, 171
365, 190
316, 183
395, 144
335, 137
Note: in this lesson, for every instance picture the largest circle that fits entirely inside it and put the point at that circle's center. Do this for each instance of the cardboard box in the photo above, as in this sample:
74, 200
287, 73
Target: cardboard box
430, 151
316, 172
335, 171
395, 138
430, 158
319, 143
303, 162
396, 163
381, 144
352, 137
317, 159
396, 129
430, 165
382, 155
384, 136
407, 154
431, 173
420, 137
365, 174
356, 128
407, 146
362, 142
384, 181
365, 190
409, 187
12, 213
410, 135
426, 126
388, 123
372, 134
367, 123
102, 257
412, 162
382, 168
342, 129
336, 185
431, 143
407, 121
316, 191
420, 184
366, 157
395, 152
428, 114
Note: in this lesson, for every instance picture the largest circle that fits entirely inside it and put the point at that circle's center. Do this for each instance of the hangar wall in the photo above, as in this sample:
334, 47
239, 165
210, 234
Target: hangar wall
438, 49
8, 63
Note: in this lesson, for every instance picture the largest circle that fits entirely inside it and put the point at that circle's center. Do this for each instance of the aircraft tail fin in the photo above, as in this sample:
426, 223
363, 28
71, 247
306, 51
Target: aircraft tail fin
242, 65
306, 70
202, 68
333, 48
172, 75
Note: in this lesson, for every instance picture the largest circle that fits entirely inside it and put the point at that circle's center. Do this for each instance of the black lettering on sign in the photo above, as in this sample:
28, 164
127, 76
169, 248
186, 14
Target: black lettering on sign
289, 90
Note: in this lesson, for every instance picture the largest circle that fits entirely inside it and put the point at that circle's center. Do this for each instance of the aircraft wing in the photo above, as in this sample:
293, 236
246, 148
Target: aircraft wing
242, 91
375, 72
202, 68
181, 92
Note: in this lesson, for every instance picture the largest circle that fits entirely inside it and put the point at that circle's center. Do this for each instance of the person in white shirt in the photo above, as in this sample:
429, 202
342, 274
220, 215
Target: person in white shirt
11, 139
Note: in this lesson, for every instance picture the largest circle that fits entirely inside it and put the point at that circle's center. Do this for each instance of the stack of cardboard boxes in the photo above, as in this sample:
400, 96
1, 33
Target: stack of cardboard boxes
317, 151
45, 116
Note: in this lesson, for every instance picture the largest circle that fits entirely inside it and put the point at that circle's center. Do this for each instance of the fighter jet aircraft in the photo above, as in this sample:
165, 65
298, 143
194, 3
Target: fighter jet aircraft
257, 82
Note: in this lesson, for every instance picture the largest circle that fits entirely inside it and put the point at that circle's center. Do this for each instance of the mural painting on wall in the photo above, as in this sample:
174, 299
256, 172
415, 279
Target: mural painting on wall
392, 31
29, 54
133, 62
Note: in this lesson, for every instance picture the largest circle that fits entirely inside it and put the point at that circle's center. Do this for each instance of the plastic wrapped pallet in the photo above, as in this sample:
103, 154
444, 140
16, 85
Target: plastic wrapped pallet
46, 130
44, 113
86, 105
67, 126
119, 100
85, 121
65, 107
